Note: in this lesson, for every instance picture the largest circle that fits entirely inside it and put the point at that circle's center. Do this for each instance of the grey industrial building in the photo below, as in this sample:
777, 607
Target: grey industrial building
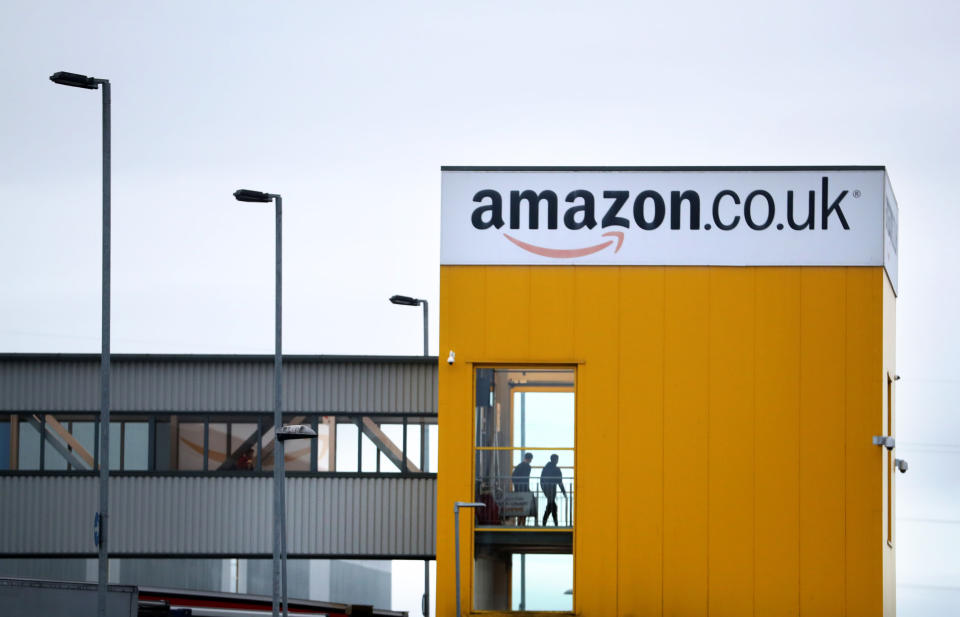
192, 443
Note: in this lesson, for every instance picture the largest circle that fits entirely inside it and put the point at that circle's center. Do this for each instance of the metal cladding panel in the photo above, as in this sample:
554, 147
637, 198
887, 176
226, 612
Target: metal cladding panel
50, 514
204, 384
229, 516
49, 384
361, 516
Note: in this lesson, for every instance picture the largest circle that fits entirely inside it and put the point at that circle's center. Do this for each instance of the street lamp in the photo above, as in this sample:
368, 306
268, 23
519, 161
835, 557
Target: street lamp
456, 532
408, 301
91, 83
278, 497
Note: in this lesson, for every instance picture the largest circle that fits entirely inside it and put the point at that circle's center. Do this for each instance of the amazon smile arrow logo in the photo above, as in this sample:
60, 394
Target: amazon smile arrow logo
569, 253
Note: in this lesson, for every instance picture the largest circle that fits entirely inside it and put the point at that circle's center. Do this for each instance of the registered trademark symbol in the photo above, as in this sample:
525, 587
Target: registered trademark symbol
856, 194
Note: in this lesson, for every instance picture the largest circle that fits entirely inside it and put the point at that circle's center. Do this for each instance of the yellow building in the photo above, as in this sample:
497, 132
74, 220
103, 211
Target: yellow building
709, 353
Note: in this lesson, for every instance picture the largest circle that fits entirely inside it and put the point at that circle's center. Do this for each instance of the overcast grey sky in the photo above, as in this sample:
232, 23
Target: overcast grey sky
349, 109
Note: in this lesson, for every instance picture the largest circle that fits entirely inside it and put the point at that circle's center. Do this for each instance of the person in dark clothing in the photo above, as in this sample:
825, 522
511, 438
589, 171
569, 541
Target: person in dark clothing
521, 482
550, 478
521, 475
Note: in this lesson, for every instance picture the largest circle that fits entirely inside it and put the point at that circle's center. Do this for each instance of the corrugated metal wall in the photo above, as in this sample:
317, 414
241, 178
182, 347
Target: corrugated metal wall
229, 516
207, 384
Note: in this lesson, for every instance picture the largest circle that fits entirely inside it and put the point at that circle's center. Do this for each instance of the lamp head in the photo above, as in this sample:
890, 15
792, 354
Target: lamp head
252, 196
295, 431
404, 300
74, 79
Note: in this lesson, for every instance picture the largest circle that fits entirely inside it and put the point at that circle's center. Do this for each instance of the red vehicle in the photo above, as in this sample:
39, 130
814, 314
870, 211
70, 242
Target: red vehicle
159, 602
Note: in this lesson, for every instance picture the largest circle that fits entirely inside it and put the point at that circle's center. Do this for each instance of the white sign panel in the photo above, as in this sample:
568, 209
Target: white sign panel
683, 216
891, 229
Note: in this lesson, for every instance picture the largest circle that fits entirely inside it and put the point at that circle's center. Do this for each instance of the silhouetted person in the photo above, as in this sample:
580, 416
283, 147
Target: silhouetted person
550, 478
521, 482
521, 475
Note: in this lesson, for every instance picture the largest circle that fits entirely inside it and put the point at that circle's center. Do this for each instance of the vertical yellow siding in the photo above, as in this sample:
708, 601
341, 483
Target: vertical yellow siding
731, 448
598, 479
685, 442
640, 443
777, 454
508, 313
822, 441
552, 313
724, 417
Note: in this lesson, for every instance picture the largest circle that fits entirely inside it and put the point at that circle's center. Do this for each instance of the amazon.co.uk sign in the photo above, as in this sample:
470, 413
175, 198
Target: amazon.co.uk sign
844, 216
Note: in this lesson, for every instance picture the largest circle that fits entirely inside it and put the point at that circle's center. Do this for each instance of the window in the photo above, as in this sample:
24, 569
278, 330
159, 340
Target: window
68, 442
376, 443
195, 442
190, 446
524, 475
135, 444
5, 444
242, 453
28, 453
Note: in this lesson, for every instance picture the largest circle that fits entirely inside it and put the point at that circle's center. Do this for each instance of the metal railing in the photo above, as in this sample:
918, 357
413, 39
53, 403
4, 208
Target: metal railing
505, 506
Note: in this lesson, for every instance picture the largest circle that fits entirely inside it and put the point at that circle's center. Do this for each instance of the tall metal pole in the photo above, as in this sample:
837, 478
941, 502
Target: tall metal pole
423, 446
456, 532
103, 563
456, 542
283, 527
425, 326
426, 588
279, 512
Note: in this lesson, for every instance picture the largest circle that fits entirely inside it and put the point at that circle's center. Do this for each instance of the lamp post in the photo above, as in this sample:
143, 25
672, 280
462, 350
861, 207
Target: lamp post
76, 80
278, 497
409, 301
456, 533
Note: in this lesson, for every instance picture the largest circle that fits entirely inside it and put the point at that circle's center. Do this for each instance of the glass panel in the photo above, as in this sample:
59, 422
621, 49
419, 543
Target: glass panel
296, 454
532, 578
394, 432
217, 445
266, 445
524, 460
543, 419
52, 459
433, 439
552, 486
243, 446
522, 490
136, 450
190, 446
29, 445
542, 582
84, 432
4, 444
116, 447
161, 444
413, 443
324, 442
525, 409
369, 455
346, 447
